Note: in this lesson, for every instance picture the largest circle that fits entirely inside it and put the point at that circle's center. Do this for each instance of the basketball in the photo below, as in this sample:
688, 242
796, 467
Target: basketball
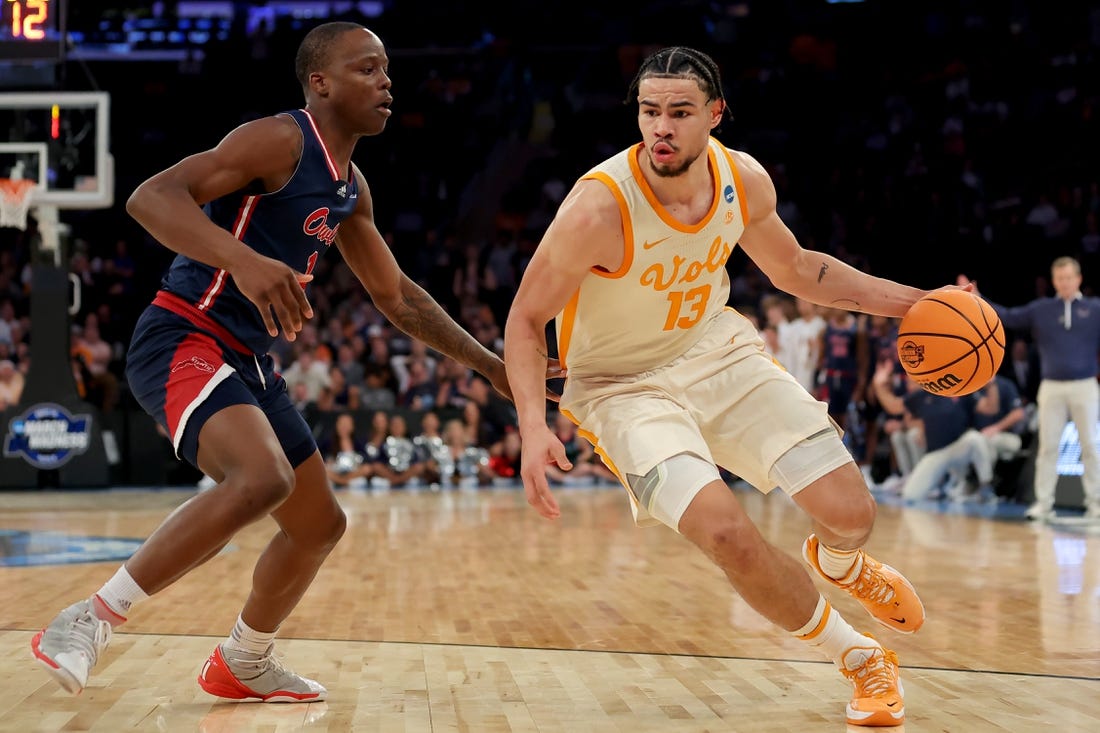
951, 342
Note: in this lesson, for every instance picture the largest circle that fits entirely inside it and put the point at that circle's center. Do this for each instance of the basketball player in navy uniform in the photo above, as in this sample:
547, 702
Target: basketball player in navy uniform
249, 219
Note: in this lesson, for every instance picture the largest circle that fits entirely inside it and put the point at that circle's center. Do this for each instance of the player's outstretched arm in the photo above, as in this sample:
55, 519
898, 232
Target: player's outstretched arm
814, 276
169, 205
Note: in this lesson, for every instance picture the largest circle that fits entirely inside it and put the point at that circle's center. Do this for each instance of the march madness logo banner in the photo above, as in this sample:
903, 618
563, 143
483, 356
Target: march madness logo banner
47, 436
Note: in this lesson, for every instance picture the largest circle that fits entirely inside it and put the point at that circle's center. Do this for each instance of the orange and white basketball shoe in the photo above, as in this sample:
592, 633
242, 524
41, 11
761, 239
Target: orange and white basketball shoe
878, 697
883, 591
239, 676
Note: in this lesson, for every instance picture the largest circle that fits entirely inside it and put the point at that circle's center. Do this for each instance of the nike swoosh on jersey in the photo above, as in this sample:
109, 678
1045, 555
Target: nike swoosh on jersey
654, 243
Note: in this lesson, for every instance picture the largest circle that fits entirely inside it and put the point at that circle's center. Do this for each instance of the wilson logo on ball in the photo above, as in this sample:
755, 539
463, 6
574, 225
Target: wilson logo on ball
946, 383
951, 342
911, 354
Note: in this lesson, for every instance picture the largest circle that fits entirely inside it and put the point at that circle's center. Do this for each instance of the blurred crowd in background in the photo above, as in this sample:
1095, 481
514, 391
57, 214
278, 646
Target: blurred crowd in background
916, 142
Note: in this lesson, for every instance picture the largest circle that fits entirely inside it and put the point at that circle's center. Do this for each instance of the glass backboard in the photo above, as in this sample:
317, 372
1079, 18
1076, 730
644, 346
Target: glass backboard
60, 140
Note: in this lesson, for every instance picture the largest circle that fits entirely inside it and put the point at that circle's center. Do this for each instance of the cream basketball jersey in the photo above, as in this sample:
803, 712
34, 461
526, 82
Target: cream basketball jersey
672, 280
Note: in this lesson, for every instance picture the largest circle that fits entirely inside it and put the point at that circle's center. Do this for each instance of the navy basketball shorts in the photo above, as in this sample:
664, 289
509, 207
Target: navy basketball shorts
182, 375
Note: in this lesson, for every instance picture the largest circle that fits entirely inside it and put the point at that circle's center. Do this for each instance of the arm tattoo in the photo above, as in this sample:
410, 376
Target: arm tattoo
418, 315
821, 272
541, 353
848, 304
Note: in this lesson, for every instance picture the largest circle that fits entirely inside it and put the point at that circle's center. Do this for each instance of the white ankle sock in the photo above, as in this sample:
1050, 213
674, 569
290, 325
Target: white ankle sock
839, 564
246, 639
829, 632
119, 594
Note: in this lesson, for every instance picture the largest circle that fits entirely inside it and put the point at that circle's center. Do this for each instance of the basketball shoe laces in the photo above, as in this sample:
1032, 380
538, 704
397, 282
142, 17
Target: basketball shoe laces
874, 677
269, 662
87, 634
872, 585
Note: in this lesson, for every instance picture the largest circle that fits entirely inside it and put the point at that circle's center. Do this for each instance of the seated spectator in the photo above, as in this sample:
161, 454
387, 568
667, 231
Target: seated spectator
952, 446
345, 456
403, 463
11, 384
399, 363
375, 446
493, 416
421, 387
463, 463
905, 435
311, 372
375, 395
453, 379
504, 456
1001, 419
342, 397
352, 369
586, 464
430, 448
101, 385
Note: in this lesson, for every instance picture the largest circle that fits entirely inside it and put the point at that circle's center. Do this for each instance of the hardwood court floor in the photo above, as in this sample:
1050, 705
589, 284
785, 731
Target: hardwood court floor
465, 611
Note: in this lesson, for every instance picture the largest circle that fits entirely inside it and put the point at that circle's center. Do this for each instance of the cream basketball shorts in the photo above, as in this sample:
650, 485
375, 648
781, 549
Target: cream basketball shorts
725, 400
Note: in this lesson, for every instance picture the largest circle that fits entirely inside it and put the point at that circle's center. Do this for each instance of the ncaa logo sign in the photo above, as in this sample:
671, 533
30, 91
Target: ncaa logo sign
728, 194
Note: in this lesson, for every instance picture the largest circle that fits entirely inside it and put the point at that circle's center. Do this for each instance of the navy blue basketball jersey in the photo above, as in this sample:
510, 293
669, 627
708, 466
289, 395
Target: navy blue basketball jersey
295, 225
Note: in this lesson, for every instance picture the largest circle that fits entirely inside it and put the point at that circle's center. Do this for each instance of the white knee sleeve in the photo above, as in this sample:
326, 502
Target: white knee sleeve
667, 490
809, 460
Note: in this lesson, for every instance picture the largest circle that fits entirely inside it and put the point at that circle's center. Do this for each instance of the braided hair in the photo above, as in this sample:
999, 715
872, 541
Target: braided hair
681, 62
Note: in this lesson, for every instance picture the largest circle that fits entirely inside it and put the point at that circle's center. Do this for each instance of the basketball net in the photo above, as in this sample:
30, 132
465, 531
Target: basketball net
15, 201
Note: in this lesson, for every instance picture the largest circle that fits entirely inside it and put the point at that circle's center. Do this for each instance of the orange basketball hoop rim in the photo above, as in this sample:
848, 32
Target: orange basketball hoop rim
15, 201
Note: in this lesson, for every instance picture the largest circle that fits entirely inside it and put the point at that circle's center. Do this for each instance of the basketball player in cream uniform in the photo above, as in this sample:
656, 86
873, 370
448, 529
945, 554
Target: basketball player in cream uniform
669, 383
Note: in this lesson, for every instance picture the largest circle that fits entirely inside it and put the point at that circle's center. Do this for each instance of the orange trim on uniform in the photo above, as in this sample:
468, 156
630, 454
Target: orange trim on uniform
667, 218
739, 186
565, 334
628, 227
820, 624
591, 438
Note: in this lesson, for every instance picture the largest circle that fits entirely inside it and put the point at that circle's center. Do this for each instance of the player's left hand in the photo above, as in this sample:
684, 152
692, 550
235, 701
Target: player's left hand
540, 448
962, 282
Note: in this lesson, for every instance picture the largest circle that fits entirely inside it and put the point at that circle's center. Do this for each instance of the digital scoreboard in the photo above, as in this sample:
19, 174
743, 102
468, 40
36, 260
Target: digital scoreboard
32, 30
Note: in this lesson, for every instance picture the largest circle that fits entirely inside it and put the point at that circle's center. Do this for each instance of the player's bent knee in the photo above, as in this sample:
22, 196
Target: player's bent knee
853, 516
262, 486
319, 537
334, 530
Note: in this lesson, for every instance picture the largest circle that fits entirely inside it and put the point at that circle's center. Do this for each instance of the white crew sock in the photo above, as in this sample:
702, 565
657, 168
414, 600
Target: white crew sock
246, 639
119, 594
829, 632
839, 564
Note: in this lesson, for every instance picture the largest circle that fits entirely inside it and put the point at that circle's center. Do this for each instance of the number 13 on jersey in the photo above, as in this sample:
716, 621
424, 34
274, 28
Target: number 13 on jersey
686, 307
